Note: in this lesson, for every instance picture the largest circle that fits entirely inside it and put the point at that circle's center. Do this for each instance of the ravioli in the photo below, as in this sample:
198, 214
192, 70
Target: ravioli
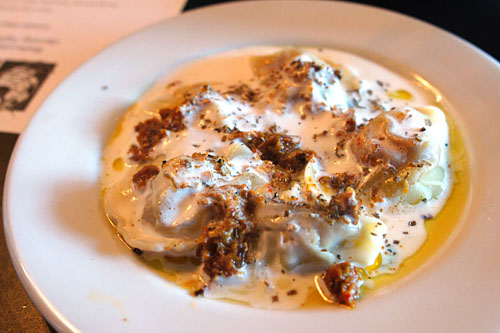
255, 188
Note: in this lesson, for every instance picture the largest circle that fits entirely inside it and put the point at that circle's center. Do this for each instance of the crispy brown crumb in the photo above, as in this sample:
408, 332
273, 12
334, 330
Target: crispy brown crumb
344, 281
142, 177
172, 119
151, 131
283, 150
227, 238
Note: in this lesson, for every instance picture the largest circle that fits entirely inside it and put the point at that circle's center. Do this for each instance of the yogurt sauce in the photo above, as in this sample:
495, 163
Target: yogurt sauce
363, 92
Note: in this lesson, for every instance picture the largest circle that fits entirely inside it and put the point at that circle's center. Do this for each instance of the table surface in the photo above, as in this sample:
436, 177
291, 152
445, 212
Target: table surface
478, 22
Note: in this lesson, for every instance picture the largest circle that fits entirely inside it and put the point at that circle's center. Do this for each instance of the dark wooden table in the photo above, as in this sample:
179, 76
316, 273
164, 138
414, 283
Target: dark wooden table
476, 21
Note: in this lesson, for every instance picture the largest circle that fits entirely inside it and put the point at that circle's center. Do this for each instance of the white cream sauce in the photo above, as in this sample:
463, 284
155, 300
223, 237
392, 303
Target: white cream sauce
364, 88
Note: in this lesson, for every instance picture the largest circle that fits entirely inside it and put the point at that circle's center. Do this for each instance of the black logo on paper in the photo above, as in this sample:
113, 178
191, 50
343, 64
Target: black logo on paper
19, 82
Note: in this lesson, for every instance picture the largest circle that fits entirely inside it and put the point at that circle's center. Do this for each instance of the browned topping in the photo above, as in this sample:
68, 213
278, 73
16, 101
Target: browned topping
292, 292
275, 299
282, 150
245, 93
227, 238
295, 160
339, 181
318, 135
150, 132
291, 80
343, 207
172, 119
350, 125
142, 177
287, 158
344, 281
340, 148
280, 178
300, 71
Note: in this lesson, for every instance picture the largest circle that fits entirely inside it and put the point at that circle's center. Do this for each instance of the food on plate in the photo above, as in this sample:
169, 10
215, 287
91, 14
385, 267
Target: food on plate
263, 175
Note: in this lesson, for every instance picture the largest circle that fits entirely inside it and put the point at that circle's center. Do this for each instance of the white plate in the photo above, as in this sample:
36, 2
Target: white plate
82, 278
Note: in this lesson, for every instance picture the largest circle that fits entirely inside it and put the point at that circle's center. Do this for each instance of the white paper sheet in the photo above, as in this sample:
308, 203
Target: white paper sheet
42, 41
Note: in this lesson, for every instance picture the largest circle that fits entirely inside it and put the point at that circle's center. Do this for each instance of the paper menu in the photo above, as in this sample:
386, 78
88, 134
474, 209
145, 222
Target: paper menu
43, 41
